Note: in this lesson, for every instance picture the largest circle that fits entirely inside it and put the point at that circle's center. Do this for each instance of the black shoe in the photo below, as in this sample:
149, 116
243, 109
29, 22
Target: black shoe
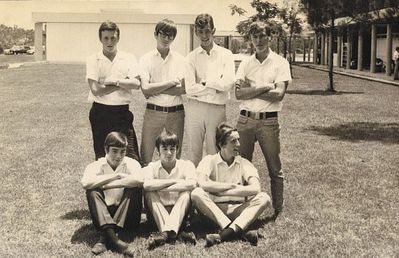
99, 247
251, 236
129, 251
118, 246
156, 240
187, 237
212, 239
276, 214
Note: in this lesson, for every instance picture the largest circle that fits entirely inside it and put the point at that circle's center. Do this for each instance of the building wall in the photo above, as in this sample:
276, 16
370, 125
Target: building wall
381, 46
74, 42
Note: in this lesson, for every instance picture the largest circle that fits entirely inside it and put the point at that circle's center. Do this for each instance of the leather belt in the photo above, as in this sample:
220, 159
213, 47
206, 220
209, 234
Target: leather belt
258, 115
165, 109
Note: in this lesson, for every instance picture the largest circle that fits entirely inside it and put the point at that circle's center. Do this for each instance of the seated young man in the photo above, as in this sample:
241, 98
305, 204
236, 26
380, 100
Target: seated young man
229, 192
167, 185
114, 194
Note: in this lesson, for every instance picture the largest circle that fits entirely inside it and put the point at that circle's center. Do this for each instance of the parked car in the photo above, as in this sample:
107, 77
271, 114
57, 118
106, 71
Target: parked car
8, 52
19, 50
31, 51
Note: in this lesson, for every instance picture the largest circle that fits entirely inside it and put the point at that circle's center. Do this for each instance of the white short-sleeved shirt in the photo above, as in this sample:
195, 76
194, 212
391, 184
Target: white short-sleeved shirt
156, 69
216, 169
184, 169
101, 167
273, 69
217, 69
99, 67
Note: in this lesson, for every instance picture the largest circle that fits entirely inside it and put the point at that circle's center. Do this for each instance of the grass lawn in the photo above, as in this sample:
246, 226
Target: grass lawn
339, 152
10, 59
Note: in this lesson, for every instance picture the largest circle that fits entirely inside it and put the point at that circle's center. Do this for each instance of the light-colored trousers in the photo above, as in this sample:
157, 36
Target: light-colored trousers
222, 214
153, 124
267, 133
201, 121
168, 218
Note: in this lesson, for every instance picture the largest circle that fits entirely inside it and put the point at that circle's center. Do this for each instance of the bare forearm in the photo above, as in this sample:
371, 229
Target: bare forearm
156, 88
216, 187
124, 183
99, 181
181, 187
249, 92
158, 184
100, 89
175, 91
130, 84
241, 191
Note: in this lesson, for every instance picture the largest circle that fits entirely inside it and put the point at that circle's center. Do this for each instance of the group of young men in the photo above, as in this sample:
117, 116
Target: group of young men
223, 186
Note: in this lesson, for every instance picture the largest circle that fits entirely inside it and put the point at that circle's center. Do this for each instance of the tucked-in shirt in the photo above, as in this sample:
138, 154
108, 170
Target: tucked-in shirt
101, 167
184, 169
99, 67
156, 69
217, 69
273, 69
216, 169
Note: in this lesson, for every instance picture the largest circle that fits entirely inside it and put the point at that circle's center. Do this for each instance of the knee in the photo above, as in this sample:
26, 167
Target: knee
197, 195
93, 193
263, 199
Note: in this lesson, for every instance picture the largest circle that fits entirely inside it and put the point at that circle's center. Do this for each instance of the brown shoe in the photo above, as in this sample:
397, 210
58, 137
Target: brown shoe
212, 239
251, 236
187, 237
156, 240
99, 247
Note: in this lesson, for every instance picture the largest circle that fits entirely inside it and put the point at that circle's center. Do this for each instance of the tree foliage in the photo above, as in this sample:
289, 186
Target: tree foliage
10, 36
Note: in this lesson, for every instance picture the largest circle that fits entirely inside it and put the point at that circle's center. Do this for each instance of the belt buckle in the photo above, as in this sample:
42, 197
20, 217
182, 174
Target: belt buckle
165, 110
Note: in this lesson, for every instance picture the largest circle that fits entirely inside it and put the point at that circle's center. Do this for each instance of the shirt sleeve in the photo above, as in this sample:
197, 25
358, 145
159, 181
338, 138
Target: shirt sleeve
134, 68
248, 170
192, 87
205, 166
148, 172
134, 168
283, 72
145, 68
226, 81
189, 171
91, 171
91, 68
240, 75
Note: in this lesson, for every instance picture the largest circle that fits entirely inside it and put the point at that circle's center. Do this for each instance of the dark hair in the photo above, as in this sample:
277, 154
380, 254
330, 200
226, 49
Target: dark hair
167, 27
202, 20
223, 131
257, 27
167, 138
115, 139
108, 25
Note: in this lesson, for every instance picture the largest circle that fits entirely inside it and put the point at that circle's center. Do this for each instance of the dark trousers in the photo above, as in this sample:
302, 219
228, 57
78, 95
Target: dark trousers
126, 215
105, 119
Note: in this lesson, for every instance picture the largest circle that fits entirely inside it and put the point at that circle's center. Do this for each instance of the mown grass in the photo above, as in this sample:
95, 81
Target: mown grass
339, 152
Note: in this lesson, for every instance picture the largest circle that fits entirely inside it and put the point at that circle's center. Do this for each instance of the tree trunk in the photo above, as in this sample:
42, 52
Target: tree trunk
290, 56
331, 54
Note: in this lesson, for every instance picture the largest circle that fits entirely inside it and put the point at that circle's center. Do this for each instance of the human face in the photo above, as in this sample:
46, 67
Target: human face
167, 154
110, 40
231, 148
115, 156
164, 40
260, 41
205, 35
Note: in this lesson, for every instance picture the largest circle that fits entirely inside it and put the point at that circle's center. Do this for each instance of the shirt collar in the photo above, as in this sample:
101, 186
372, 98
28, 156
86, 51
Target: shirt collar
159, 167
214, 48
220, 160
104, 164
269, 57
156, 53
101, 56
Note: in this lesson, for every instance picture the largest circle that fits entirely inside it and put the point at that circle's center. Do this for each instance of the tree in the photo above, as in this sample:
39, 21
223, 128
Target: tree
289, 15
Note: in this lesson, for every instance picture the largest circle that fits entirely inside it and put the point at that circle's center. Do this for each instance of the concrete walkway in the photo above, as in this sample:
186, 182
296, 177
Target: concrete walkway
378, 77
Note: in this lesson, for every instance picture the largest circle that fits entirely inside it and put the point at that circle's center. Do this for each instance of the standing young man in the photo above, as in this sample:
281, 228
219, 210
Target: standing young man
114, 194
209, 78
163, 85
229, 192
261, 84
112, 75
168, 184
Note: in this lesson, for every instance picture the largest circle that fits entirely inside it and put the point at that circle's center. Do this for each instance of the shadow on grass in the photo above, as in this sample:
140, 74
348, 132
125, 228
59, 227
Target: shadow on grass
77, 214
85, 234
362, 131
321, 92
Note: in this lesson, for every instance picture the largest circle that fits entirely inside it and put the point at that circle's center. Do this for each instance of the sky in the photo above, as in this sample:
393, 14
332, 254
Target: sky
20, 12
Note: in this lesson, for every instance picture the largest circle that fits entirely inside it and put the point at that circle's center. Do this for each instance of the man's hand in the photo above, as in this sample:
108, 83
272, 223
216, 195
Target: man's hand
110, 82
174, 82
